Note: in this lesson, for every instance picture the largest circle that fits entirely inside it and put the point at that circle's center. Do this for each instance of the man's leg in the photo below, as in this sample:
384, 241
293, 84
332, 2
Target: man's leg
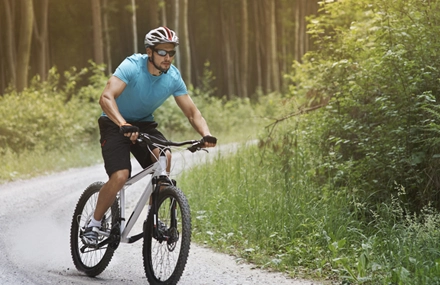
106, 197
108, 192
156, 153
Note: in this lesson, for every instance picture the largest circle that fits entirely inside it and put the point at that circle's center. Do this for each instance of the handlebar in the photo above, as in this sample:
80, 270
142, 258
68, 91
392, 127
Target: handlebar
145, 139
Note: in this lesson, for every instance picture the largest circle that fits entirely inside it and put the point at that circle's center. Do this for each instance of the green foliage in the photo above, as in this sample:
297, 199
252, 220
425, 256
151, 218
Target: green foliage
264, 205
348, 192
48, 117
377, 67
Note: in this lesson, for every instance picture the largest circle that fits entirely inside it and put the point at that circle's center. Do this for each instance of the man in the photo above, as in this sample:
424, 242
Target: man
140, 84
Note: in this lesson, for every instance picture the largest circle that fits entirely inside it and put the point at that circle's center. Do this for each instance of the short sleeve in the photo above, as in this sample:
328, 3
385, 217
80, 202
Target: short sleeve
126, 70
180, 88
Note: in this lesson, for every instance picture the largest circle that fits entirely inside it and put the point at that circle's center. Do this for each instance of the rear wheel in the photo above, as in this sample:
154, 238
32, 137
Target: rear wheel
166, 247
91, 260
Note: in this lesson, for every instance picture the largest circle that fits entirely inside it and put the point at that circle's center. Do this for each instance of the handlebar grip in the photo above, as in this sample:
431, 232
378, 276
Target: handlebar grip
127, 128
209, 139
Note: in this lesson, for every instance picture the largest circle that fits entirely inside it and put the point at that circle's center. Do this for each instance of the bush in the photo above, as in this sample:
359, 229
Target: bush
46, 117
377, 70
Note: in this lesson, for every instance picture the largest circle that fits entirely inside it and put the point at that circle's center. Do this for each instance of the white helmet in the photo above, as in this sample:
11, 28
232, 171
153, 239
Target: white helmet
160, 35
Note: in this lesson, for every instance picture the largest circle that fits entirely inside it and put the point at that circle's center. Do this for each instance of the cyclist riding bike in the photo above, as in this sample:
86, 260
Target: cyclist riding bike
140, 84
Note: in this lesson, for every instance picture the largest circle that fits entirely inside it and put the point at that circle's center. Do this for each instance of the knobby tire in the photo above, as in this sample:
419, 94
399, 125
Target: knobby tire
93, 261
164, 262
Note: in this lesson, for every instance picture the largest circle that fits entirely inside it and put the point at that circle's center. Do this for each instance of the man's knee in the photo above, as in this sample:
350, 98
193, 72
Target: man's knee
156, 154
119, 177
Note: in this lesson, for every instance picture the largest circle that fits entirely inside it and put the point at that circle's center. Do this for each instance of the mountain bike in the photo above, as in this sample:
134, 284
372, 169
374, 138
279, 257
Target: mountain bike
166, 230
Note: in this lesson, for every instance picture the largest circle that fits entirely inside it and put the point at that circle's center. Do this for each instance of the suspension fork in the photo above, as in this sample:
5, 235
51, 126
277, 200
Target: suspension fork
158, 181
173, 210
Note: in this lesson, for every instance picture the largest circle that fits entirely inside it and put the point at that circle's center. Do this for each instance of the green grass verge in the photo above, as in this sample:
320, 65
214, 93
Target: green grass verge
246, 205
27, 164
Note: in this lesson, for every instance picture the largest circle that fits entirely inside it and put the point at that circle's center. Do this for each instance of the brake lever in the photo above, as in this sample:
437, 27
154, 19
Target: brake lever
143, 140
196, 147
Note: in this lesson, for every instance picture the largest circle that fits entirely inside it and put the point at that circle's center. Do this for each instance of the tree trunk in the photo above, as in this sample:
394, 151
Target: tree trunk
285, 43
97, 32
163, 14
226, 43
10, 42
41, 36
185, 46
258, 43
134, 26
273, 40
267, 38
297, 29
152, 15
24, 44
245, 47
177, 30
302, 9
107, 37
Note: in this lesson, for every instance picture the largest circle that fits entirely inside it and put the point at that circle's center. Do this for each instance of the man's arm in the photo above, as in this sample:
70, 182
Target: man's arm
112, 90
194, 116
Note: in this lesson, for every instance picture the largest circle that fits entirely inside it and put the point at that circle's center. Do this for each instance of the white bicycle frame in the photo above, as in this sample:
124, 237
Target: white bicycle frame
155, 170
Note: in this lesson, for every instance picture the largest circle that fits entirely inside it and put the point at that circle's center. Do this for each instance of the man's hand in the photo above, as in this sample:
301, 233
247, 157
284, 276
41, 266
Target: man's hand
129, 131
209, 141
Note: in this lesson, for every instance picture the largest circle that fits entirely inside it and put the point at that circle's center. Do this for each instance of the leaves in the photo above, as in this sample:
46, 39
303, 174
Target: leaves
376, 63
46, 117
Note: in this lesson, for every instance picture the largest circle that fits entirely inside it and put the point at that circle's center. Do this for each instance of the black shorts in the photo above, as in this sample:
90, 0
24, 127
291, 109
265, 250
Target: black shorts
116, 147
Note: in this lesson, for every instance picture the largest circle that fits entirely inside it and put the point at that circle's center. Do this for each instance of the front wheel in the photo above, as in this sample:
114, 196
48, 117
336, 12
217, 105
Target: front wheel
91, 260
166, 246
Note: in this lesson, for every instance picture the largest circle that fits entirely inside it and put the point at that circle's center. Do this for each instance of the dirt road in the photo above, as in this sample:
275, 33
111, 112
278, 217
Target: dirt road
35, 218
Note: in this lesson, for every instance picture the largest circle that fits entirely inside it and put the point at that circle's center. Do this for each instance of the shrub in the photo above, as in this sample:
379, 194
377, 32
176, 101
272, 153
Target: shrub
49, 115
376, 68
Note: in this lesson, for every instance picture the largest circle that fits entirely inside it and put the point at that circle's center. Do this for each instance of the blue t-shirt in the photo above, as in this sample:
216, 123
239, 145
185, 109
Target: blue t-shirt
144, 92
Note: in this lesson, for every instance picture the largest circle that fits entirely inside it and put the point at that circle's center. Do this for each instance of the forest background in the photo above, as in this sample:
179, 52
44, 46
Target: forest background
342, 96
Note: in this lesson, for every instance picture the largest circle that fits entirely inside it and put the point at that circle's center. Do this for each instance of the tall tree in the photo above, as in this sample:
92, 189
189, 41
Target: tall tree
163, 13
258, 44
10, 40
98, 55
244, 56
176, 10
42, 39
185, 45
286, 41
24, 43
268, 66
227, 47
152, 14
303, 8
273, 42
107, 39
134, 25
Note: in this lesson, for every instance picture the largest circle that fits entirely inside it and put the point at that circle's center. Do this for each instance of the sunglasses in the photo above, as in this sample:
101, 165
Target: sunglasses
162, 52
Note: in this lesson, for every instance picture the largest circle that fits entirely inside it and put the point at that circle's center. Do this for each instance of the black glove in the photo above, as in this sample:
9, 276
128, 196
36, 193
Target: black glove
209, 139
127, 128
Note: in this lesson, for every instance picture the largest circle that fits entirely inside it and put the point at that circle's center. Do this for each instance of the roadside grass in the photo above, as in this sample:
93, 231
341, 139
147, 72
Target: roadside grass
249, 206
27, 164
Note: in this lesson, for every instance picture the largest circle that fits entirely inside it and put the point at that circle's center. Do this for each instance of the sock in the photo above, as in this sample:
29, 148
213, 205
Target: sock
94, 223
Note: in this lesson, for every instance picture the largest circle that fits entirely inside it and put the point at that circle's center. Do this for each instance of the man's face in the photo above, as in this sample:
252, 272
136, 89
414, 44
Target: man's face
161, 55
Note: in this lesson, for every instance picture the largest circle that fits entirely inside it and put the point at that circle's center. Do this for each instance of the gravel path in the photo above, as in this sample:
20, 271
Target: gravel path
35, 218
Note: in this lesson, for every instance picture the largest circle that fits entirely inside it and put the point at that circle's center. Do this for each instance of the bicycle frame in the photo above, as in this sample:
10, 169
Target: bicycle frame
157, 169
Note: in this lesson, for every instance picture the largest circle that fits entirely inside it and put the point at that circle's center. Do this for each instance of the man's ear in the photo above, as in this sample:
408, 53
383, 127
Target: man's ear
149, 51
